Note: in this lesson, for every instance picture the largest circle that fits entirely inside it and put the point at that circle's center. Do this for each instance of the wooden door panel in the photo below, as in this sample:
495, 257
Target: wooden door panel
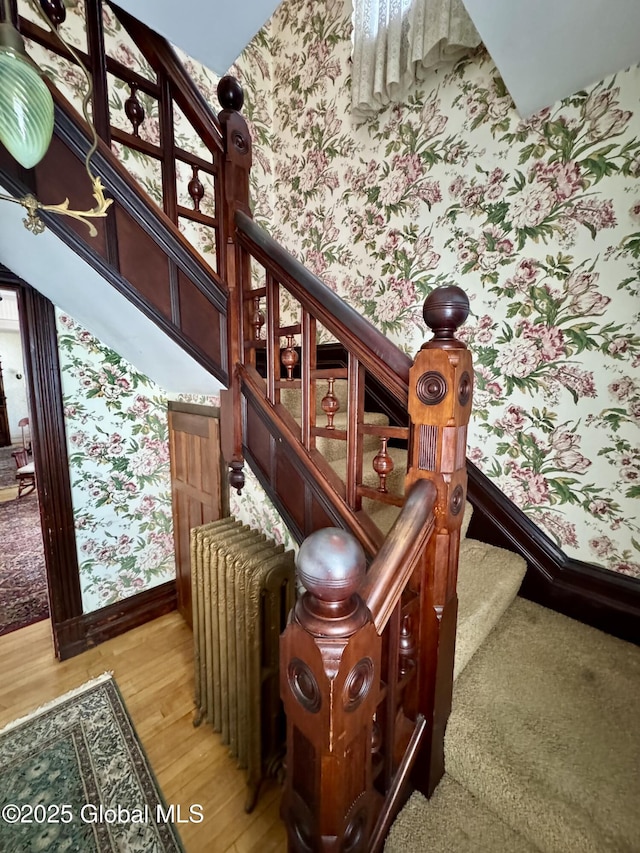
196, 485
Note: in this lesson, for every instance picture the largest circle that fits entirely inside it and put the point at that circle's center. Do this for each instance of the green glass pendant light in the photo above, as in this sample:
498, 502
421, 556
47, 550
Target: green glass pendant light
26, 105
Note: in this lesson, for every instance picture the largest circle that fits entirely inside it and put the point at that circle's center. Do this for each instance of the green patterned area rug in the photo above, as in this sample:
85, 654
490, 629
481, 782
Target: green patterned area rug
74, 779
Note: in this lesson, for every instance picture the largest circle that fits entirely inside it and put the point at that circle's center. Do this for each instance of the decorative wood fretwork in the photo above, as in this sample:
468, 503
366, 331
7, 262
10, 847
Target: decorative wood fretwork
330, 403
134, 110
195, 187
289, 357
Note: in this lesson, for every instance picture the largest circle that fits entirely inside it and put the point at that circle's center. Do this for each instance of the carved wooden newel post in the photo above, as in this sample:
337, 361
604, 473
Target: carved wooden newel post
234, 195
329, 677
440, 390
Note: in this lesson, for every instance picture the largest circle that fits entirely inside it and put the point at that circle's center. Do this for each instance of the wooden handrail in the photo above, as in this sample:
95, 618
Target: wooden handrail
390, 571
161, 55
376, 352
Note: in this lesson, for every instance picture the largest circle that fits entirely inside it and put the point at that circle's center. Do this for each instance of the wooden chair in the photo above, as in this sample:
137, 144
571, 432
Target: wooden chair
26, 473
23, 423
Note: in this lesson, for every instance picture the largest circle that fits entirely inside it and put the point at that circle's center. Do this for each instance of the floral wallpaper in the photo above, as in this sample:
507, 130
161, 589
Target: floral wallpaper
537, 219
117, 437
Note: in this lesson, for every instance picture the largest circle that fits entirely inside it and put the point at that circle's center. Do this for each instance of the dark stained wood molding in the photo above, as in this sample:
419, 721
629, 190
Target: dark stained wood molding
375, 351
115, 619
121, 186
40, 344
604, 599
83, 632
160, 54
58, 226
591, 594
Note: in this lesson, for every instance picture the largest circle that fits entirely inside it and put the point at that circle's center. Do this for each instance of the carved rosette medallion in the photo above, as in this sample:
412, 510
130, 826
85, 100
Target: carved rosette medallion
304, 686
457, 500
464, 389
239, 142
357, 684
431, 388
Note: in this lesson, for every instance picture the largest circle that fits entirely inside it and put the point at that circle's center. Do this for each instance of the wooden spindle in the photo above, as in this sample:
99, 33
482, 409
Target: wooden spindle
330, 404
383, 465
133, 109
257, 319
289, 357
195, 188
407, 647
55, 10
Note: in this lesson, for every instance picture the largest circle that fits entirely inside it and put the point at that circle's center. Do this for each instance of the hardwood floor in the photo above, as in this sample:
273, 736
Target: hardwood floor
153, 667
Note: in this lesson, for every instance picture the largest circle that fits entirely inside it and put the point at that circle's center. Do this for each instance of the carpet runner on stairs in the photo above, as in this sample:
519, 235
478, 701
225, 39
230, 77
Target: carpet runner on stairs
543, 743
543, 737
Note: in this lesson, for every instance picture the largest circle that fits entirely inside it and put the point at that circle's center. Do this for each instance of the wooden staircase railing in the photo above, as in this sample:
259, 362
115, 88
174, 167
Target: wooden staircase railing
367, 659
140, 248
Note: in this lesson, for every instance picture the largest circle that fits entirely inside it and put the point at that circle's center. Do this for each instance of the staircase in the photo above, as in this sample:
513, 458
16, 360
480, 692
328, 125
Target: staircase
329, 458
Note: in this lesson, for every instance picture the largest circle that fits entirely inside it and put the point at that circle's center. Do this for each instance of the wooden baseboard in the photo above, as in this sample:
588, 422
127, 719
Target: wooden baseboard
604, 599
91, 629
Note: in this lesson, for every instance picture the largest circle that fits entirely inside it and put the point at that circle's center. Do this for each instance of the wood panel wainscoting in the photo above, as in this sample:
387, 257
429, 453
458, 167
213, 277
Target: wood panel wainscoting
199, 490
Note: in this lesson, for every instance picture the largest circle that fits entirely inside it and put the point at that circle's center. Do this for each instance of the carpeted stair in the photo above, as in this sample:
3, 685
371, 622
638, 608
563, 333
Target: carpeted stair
543, 743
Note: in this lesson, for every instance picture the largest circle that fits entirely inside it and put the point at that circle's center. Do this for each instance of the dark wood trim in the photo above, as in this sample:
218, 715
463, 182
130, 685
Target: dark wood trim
83, 632
188, 97
375, 351
604, 599
115, 619
133, 200
40, 343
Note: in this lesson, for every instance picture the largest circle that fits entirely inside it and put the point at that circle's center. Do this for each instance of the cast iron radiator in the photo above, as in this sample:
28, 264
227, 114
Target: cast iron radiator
242, 592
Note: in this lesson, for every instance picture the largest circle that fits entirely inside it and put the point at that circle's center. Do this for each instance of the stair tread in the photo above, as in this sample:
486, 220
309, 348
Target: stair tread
488, 581
544, 730
452, 821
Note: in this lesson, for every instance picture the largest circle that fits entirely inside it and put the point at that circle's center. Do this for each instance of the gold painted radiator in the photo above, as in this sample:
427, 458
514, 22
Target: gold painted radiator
242, 592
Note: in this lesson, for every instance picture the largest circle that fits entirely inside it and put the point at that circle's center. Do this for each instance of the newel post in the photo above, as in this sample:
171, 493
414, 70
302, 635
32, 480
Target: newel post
440, 391
233, 195
329, 683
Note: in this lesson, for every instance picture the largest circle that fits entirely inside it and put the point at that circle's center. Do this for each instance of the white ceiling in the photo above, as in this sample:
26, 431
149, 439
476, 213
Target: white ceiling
544, 49
214, 32
549, 49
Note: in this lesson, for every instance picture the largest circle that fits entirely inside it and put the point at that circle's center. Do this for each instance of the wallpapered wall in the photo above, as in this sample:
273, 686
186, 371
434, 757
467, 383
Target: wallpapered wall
538, 220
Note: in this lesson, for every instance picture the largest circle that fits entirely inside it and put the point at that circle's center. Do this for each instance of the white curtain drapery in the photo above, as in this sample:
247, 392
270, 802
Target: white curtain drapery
396, 43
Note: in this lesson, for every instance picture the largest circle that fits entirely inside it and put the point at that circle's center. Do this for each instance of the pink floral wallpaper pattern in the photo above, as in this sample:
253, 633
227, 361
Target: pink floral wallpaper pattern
538, 219
116, 424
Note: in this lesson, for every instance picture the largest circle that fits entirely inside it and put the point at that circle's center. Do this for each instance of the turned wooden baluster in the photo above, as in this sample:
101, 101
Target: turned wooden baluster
234, 266
440, 390
329, 683
55, 10
257, 319
407, 650
289, 357
195, 188
133, 109
383, 465
330, 404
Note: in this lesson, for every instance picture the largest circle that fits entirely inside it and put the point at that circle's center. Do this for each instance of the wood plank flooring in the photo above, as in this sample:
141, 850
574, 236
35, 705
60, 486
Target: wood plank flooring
153, 667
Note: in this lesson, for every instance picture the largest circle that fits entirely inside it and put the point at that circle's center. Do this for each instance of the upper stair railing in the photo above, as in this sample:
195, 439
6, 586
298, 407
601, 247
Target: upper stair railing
166, 244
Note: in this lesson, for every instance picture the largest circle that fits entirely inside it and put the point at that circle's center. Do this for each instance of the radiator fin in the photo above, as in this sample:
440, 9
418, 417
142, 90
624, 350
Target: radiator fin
242, 591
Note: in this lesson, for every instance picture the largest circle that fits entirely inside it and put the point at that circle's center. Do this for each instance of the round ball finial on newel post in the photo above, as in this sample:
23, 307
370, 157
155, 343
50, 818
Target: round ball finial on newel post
331, 565
445, 310
230, 93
